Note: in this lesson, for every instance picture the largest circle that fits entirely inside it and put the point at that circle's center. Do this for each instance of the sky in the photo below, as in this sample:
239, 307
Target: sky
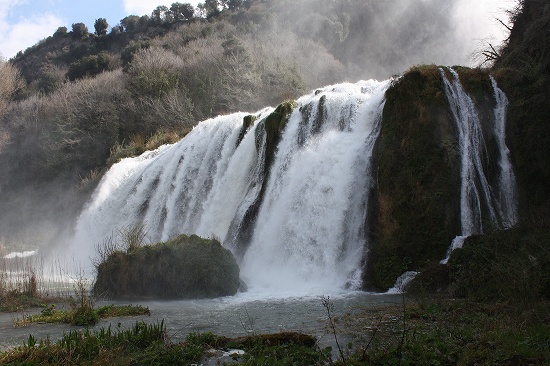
23, 23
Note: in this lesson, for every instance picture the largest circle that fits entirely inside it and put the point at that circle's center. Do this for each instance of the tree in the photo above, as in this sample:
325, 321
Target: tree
234, 4
182, 11
101, 26
211, 8
89, 66
130, 23
61, 31
127, 54
161, 15
79, 30
10, 82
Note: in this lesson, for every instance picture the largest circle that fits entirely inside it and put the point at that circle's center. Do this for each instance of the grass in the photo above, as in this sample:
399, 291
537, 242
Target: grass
138, 144
149, 345
22, 286
444, 331
82, 316
21, 280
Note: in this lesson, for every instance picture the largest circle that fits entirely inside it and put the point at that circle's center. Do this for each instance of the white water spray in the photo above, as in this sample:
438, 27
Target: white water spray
309, 232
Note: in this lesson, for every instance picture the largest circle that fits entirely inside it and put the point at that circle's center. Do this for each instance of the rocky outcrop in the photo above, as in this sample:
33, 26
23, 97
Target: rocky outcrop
417, 203
267, 135
185, 267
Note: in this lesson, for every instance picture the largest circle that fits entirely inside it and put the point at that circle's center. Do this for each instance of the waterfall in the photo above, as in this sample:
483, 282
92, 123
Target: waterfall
477, 196
308, 231
508, 192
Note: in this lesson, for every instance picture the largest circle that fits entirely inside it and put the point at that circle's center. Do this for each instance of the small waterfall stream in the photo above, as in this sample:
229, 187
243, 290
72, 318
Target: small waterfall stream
477, 196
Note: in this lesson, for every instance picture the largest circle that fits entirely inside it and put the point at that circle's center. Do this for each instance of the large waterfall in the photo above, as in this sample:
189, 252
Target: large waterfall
287, 189
477, 196
309, 205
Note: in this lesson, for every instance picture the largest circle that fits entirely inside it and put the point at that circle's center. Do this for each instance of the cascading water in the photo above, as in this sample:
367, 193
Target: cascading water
476, 194
507, 200
309, 229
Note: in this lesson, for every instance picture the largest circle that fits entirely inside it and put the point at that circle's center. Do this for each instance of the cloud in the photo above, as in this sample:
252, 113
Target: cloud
141, 7
24, 32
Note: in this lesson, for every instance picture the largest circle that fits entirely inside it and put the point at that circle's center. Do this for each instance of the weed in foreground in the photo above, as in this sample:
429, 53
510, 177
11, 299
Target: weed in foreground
77, 347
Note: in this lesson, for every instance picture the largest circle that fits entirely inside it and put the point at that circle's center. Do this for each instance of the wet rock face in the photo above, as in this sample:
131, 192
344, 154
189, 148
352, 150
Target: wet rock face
185, 267
417, 211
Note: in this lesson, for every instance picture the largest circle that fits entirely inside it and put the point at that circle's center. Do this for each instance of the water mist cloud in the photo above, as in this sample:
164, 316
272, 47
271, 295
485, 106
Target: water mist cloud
476, 24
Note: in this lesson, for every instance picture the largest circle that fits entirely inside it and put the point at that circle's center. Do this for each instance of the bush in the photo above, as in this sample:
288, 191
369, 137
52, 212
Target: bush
61, 31
89, 66
10, 82
154, 72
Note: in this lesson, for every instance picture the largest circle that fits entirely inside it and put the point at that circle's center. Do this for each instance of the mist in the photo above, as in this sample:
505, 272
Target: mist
377, 39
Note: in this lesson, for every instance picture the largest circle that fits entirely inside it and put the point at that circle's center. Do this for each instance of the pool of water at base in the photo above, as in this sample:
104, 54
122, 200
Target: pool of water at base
235, 316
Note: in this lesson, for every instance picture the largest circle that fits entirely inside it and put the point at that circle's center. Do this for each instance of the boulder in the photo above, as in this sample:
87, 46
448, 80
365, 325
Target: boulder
182, 268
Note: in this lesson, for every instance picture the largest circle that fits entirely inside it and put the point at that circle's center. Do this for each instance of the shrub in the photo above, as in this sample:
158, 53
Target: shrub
89, 66
61, 31
10, 82
154, 72
127, 54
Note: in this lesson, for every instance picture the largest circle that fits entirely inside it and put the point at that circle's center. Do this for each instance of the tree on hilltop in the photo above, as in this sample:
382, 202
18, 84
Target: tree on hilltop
101, 26
182, 11
79, 30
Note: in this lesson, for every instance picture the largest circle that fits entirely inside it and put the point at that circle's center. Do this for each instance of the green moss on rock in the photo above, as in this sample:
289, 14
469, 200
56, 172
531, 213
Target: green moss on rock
248, 122
417, 176
273, 125
185, 267
418, 173
528, 138
509, 265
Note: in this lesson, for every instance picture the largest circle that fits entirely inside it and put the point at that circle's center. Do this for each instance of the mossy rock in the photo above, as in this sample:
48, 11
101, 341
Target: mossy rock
528, 138
248, 122
417, 203
509, 265
185, 267
273, 126
418, 179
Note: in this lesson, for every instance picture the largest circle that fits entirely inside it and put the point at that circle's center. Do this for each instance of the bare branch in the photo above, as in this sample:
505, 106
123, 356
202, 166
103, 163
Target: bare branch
504, 24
